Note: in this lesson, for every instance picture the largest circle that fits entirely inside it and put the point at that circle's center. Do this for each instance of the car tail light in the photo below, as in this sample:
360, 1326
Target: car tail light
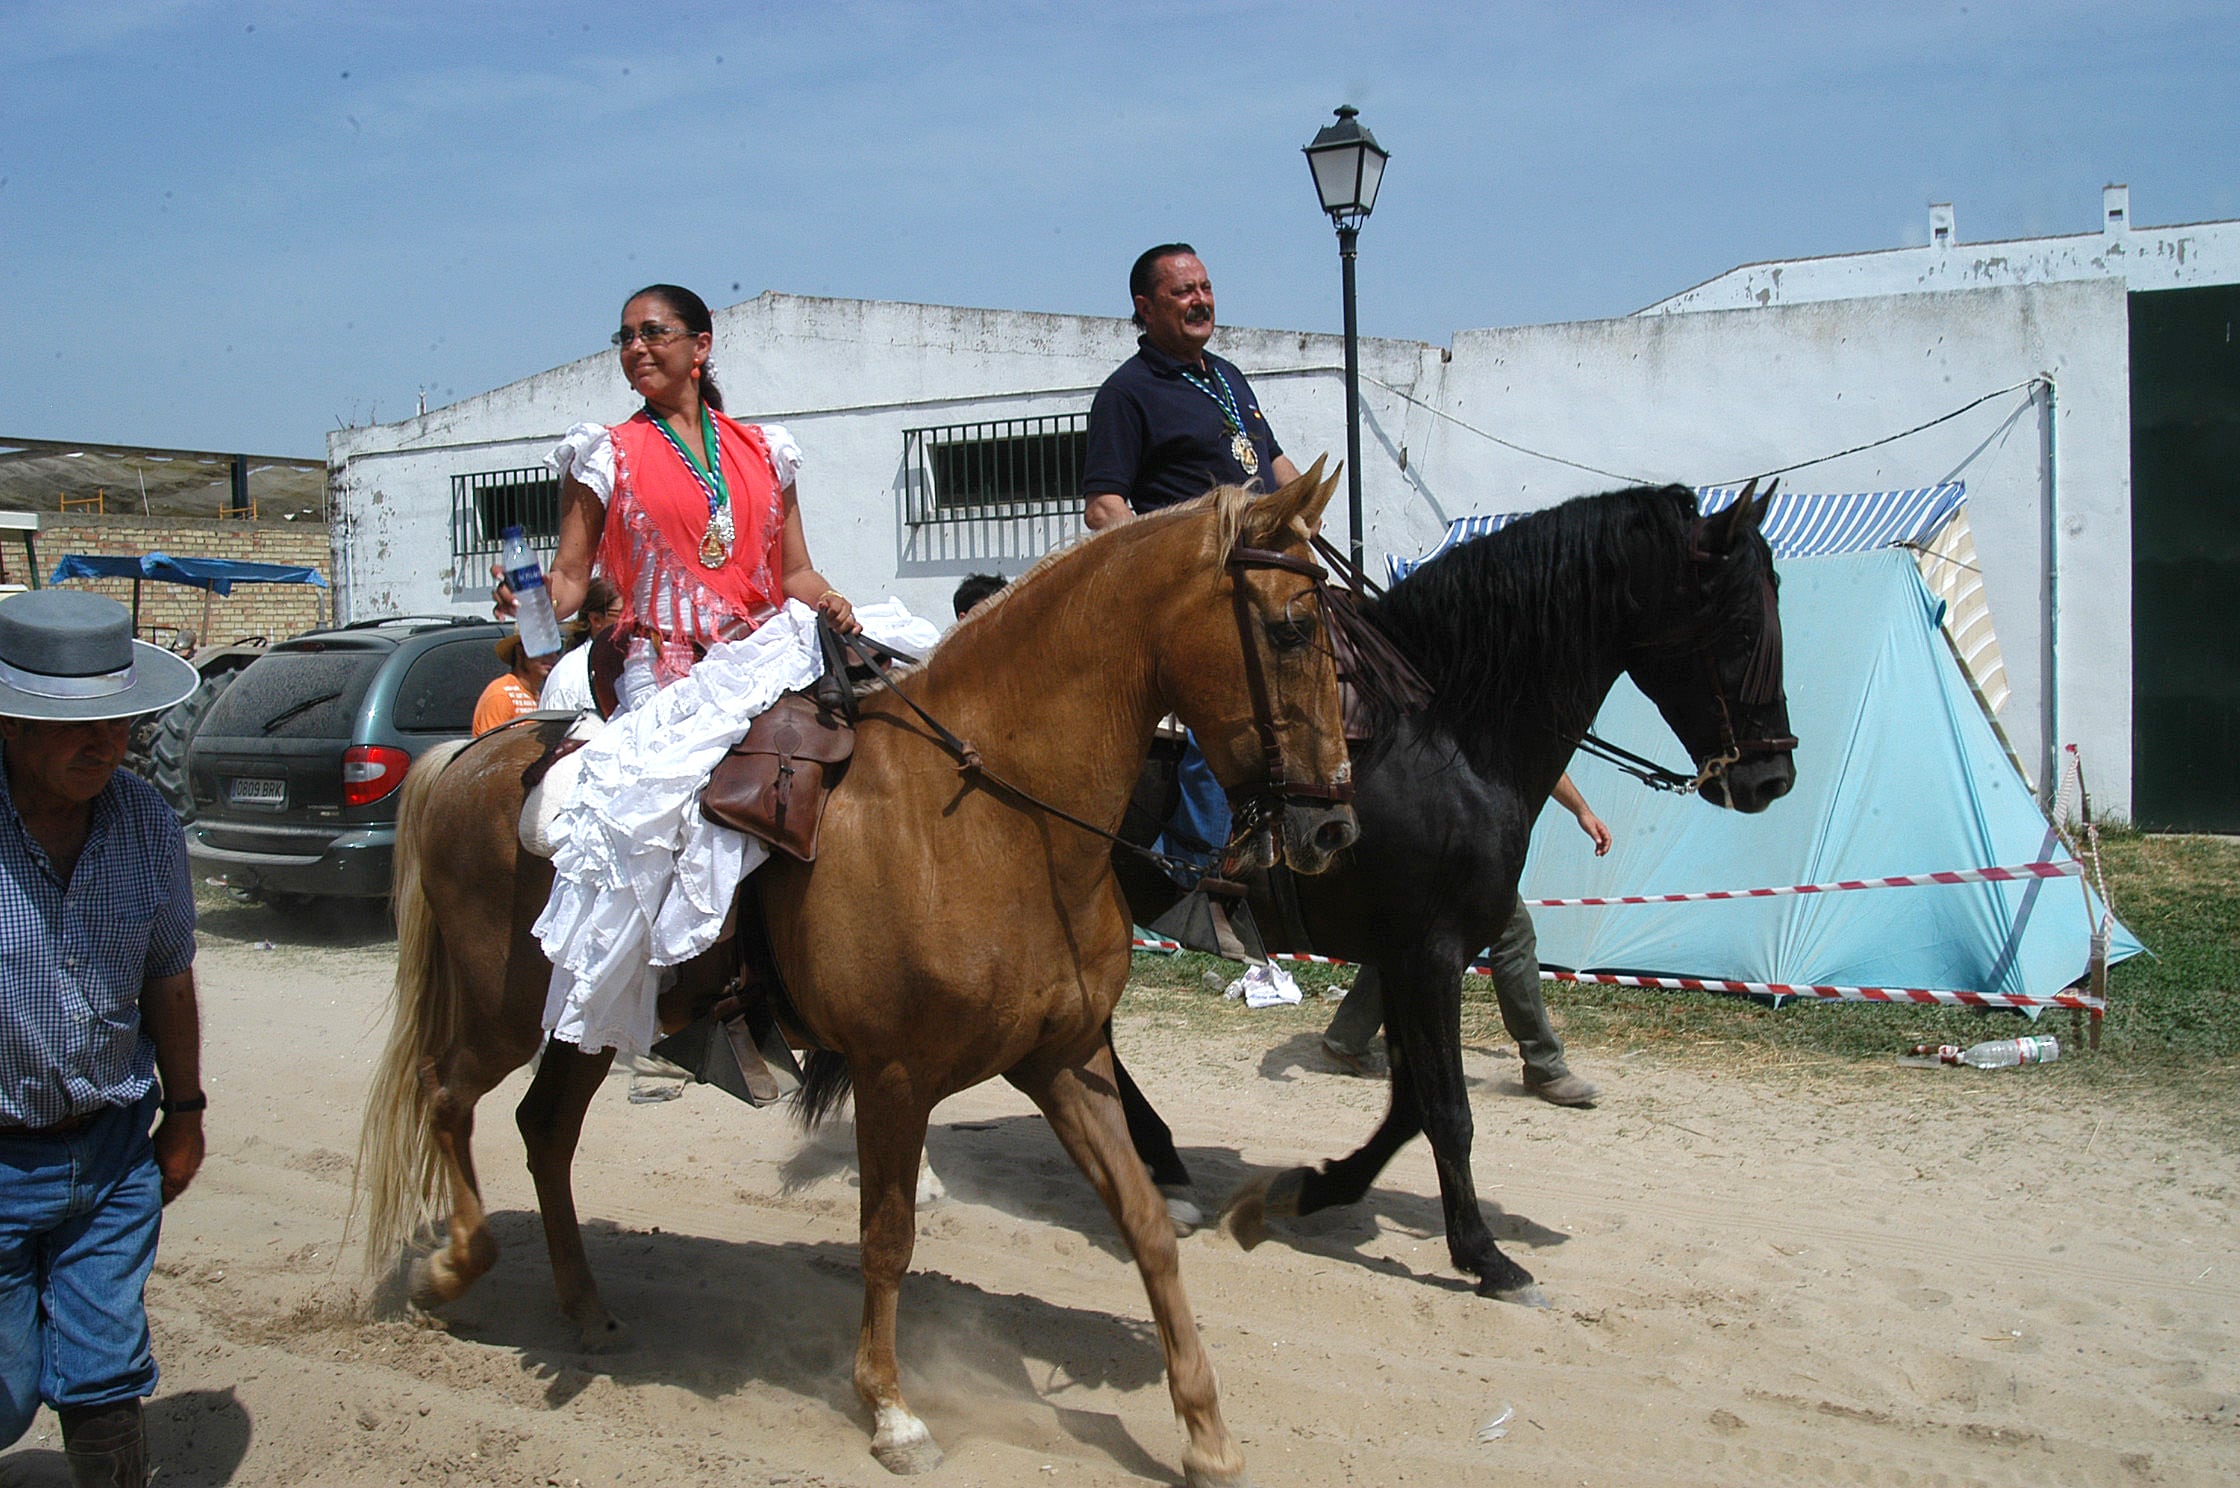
371, 771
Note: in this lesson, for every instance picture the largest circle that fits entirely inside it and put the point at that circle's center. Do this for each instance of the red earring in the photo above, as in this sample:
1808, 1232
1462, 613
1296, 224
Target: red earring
695, 371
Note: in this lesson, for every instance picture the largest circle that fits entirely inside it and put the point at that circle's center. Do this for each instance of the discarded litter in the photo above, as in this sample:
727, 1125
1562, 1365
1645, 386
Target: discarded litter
1990, 1054
1498, 1427
1265, 984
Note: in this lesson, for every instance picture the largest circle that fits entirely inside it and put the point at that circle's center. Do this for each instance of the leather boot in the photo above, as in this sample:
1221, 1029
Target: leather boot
105, 1446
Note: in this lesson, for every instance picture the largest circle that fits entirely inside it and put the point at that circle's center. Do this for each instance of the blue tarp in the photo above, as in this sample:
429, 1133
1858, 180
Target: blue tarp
218, 574
1798, 524
1898, 772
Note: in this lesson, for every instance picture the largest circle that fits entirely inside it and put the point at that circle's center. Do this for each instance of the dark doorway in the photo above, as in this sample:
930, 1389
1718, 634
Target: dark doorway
2185, 558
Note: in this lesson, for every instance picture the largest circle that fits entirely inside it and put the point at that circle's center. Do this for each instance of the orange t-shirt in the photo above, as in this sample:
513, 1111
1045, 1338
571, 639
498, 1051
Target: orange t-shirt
504, 700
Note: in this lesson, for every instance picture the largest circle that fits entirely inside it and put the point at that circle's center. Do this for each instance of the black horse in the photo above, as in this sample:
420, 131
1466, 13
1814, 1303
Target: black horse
1520, 635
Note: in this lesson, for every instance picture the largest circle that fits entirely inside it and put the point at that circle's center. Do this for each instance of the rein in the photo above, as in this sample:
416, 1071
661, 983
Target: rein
1251, 808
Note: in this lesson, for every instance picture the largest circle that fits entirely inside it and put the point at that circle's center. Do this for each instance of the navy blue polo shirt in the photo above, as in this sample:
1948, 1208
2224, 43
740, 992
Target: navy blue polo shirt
1154, 439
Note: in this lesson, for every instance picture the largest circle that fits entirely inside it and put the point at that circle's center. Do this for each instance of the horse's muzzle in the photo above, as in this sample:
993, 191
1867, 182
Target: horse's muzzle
1751, 785
1315, 832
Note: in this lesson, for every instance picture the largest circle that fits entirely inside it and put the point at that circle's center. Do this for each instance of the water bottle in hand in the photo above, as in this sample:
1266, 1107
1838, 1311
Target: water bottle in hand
532, 602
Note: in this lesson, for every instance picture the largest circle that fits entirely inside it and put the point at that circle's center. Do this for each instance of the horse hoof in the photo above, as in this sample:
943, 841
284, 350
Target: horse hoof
425, 1288
1246, 1219
1195, 1476
608, 1336
906, 1455
1183, 1210
1527, 1295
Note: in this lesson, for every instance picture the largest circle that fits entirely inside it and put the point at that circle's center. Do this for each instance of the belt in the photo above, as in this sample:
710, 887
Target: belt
63, 1128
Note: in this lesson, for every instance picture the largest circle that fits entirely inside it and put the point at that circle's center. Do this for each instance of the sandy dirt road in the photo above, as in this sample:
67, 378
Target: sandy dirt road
1823, 1275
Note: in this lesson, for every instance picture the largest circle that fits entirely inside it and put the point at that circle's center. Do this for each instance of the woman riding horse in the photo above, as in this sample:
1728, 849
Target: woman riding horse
696, 519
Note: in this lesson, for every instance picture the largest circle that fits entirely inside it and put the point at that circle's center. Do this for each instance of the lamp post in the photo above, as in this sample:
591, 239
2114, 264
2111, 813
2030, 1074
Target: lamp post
1348, 166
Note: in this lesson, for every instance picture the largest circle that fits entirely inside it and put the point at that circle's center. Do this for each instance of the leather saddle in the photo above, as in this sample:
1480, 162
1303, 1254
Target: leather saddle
774, 783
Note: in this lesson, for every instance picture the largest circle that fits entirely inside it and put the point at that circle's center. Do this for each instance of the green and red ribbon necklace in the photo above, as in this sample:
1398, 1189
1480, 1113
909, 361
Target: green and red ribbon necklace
715, 544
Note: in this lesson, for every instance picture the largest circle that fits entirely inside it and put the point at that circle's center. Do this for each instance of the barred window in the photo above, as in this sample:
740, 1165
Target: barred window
484, 504
989, 471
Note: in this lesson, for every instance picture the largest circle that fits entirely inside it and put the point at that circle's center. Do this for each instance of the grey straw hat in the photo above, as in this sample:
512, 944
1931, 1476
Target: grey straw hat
69, 657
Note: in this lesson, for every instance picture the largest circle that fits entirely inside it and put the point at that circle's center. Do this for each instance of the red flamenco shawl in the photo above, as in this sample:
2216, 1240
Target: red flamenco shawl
659, 515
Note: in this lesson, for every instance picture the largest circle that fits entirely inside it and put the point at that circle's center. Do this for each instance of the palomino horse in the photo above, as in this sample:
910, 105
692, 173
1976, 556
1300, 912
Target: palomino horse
1520, 635
950, 930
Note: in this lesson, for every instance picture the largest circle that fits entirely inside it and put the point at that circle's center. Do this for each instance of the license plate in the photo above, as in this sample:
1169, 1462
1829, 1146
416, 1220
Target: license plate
258, 792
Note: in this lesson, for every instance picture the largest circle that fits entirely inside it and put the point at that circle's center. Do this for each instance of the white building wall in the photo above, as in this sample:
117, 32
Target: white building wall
2143, 258
847, 377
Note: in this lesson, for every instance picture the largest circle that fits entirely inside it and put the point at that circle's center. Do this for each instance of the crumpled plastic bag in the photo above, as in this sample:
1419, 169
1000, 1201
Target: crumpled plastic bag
1265, 984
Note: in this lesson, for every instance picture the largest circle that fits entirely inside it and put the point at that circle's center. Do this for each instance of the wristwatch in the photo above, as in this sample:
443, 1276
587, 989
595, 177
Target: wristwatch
199, 1101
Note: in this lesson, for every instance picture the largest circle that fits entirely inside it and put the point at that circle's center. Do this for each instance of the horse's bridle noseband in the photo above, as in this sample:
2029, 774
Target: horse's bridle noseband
1251, 805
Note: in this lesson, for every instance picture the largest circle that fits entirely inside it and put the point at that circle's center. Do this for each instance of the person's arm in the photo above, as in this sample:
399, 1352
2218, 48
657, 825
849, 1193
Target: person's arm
1283, 470
802, 581
1105, 509
173, 1022
1112, 454
582, 521
1567, 796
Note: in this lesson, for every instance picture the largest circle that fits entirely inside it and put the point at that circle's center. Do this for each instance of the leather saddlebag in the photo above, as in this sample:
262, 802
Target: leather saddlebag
774, 782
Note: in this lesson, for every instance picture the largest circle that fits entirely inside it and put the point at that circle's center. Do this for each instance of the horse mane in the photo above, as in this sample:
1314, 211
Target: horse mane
1230, 505
1525, 621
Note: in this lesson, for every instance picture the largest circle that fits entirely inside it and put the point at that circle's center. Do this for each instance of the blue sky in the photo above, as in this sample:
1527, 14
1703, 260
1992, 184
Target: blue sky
236, 226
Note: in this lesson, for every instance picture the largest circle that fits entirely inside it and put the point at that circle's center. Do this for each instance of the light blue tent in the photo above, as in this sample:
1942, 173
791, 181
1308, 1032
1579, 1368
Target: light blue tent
1898, 772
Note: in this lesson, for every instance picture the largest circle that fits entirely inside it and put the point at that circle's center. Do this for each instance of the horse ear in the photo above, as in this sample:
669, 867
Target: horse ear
1747, 513
1298, 502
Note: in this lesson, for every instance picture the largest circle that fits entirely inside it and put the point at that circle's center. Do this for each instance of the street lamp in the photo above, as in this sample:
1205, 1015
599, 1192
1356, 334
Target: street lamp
1348, 166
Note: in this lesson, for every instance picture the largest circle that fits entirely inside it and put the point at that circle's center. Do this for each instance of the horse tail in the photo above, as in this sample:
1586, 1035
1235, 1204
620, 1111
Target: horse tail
399, 1175
825, 1087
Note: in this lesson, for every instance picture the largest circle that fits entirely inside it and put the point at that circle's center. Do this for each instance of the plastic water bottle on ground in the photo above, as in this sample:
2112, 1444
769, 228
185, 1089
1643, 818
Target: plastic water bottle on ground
532, 602
2005, 1053
1991, 1054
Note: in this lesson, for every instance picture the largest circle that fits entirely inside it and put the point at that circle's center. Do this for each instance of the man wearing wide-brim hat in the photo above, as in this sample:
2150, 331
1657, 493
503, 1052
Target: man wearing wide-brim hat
98, 1025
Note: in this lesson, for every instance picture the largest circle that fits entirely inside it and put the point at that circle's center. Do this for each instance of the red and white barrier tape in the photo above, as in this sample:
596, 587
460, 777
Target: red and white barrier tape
2079, 1001
2020, 872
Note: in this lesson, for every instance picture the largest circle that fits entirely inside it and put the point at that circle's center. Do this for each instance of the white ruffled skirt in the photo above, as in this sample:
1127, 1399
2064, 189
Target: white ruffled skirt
642, 881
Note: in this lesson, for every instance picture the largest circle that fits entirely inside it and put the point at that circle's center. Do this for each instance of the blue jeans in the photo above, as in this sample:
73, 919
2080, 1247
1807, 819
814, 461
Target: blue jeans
78, 1221
1199, 828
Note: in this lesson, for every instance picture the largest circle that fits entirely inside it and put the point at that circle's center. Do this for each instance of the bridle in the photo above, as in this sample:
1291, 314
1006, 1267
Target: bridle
1253, 808
1760, 688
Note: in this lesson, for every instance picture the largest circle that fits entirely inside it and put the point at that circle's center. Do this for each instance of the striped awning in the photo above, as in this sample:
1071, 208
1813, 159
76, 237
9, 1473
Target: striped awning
1798, 525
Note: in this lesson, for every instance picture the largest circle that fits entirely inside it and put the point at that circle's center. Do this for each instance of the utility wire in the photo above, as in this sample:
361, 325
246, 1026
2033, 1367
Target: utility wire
1406, 396
2031, 383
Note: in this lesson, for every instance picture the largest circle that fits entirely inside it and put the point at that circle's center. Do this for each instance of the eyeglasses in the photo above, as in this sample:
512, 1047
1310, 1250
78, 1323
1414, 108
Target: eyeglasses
653, 333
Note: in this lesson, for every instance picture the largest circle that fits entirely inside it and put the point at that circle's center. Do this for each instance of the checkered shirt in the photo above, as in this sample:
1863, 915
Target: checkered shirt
73, 960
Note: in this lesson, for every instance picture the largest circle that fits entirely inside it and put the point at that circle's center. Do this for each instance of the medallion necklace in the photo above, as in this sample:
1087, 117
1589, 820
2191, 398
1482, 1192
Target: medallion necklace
715, 544
1240, 443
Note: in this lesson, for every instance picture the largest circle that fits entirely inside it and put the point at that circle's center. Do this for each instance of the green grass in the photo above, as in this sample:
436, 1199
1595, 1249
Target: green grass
2175, 1010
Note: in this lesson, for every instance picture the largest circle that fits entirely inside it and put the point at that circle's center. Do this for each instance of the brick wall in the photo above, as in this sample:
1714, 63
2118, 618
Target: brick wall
274, 611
